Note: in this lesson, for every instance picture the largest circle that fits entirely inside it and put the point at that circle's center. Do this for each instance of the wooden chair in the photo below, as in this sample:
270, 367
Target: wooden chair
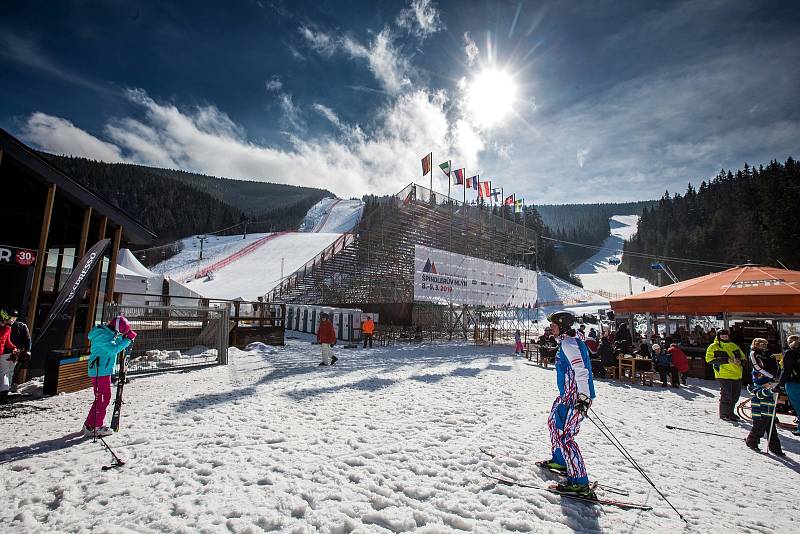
611, 372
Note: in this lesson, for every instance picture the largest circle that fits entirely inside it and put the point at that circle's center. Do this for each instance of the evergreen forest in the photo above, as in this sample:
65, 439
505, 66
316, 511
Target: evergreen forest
750, 215
176, 204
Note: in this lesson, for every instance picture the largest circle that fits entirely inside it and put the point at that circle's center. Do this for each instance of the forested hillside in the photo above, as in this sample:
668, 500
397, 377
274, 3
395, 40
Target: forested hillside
584, 223
175, 204
749, 215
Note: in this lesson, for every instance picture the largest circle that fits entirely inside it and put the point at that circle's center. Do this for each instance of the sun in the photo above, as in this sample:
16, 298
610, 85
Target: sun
491, 96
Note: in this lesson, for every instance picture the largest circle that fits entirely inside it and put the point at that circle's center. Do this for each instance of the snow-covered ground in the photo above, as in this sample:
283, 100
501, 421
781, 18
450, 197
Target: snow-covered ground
384, 441
597, 274
255, 274
186, 263
332, 215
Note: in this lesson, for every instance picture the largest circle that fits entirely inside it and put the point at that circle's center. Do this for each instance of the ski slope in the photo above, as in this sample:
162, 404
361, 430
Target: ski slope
385, 441
332, 215
255, 274
184, 265
596, 274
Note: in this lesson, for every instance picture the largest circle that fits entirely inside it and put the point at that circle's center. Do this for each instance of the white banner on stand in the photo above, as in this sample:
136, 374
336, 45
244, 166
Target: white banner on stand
445, 277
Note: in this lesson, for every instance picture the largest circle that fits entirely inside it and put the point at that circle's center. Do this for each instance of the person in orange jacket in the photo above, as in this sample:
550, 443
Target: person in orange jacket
367, 330
326, 337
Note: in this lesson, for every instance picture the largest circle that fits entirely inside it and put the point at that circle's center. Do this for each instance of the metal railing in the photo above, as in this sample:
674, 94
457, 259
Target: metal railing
172, 337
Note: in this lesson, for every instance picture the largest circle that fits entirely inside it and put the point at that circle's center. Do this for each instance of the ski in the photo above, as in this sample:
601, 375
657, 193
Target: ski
540, 464
123, 368
552, 489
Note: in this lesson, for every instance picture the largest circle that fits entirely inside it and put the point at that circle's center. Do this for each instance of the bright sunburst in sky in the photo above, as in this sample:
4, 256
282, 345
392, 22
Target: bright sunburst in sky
491, 97
553, 101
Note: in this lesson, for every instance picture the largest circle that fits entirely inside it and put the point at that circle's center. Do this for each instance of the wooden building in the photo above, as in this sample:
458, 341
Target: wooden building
48, 221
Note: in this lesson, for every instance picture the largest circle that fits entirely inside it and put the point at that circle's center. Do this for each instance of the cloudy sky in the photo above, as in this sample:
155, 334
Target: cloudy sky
559, 102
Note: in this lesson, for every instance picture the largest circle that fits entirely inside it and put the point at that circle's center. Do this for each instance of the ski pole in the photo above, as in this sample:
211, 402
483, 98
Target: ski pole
702, 432
772, 420
627, 455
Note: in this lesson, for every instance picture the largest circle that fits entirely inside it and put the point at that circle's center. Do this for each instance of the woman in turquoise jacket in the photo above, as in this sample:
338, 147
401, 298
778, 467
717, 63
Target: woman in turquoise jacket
107, 342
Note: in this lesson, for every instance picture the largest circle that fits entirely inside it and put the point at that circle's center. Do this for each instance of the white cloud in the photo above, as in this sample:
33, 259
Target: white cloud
274, 84
420, 18
388, 66
291, 113
205, 139
581, 156
471, 49
62, 137
319, 41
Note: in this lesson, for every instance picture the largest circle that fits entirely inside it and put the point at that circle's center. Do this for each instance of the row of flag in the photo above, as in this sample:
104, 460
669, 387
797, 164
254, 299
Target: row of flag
483, 187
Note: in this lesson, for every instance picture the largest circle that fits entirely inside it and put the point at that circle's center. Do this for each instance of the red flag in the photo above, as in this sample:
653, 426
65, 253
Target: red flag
485, 189
509, 200
426, 164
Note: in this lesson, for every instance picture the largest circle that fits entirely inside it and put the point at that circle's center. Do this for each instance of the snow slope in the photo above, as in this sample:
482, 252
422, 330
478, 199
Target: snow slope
186, 263
255, 274
596, 274
332, 215
385, 441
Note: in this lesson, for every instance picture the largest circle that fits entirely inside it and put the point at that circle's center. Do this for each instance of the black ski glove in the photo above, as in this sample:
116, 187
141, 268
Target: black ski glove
582, 404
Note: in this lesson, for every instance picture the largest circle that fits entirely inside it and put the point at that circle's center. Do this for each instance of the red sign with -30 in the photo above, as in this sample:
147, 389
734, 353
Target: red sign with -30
23, 257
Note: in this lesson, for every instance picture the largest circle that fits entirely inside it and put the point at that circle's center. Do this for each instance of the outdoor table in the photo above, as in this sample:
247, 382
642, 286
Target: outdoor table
630, 362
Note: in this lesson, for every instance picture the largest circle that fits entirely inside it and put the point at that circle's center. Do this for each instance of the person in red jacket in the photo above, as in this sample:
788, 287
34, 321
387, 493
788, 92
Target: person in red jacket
326, 336
7, 361
679, 361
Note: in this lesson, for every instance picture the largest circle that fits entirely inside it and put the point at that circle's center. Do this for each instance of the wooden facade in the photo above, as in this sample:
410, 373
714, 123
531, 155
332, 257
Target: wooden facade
51, 216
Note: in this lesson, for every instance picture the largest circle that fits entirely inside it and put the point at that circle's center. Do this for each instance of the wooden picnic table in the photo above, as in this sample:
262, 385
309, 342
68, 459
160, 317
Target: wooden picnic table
631, 362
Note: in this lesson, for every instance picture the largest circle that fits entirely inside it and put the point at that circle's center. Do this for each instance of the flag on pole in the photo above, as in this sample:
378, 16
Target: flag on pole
518, 205
472, 182
484, 189
496, 194
426, 164
445, 168
509, 200
458, 176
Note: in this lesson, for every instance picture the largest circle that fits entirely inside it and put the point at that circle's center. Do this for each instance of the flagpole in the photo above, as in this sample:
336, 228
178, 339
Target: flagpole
431, 190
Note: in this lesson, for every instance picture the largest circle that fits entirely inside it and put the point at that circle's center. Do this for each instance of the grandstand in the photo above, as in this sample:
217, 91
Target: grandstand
373, 268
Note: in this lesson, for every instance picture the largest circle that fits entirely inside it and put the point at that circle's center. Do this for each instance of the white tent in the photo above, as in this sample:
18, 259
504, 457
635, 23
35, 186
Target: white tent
140, 286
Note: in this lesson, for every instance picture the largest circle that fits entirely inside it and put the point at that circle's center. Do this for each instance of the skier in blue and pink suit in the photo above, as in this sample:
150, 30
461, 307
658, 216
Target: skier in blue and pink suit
576, 391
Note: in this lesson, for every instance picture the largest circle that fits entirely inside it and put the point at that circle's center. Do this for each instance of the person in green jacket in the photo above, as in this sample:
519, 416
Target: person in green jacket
727, 359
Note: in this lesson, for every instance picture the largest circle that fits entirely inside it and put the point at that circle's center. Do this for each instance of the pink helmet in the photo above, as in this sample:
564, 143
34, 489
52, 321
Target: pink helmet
120, 324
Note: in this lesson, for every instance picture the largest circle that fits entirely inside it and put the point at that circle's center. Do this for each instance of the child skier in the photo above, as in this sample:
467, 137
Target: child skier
107, 341
576, 391
518, 348
765, 378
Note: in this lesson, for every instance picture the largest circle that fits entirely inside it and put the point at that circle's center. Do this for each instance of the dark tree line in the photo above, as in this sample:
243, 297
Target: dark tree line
750, 215
176, 204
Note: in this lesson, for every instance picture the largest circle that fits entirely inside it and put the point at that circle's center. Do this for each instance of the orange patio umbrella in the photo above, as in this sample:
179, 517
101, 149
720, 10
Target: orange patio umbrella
742, 289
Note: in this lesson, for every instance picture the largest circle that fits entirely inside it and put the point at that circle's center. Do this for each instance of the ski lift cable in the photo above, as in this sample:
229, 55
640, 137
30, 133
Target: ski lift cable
643, 255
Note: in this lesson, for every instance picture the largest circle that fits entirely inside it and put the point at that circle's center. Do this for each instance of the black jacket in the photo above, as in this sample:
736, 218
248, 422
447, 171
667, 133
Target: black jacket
21, 336
791, 367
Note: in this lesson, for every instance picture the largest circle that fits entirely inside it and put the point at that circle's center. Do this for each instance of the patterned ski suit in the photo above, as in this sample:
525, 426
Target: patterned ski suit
574, 375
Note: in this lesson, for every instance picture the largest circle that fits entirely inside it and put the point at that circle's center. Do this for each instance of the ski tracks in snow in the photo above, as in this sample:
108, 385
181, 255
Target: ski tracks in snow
386, 440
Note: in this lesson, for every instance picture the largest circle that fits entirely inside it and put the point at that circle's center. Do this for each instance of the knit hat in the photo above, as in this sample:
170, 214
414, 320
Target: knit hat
723, 332
656, 346
120, 324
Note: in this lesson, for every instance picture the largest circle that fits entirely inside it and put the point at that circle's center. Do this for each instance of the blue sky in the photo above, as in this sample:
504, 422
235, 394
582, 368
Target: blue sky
583, 101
